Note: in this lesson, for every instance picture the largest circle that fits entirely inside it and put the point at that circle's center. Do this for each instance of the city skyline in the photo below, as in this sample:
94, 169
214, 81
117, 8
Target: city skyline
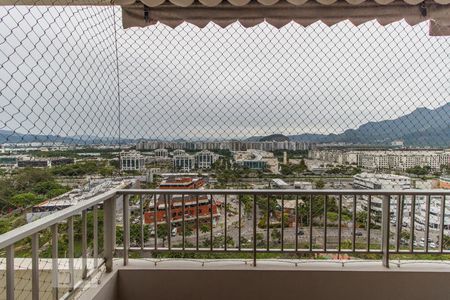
295, 80
408, 130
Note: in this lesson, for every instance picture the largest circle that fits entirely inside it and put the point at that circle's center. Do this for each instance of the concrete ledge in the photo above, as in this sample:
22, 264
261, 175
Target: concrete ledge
224, 279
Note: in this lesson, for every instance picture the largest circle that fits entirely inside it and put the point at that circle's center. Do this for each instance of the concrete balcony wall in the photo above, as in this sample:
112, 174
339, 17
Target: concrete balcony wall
274, 280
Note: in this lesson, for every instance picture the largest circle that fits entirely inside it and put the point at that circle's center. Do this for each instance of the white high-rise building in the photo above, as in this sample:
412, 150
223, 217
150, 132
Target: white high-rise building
132, 161
184, 163
205, 159
161, 153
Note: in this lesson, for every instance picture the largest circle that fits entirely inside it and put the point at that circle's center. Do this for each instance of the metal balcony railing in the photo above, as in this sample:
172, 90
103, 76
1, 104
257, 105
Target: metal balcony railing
205, 221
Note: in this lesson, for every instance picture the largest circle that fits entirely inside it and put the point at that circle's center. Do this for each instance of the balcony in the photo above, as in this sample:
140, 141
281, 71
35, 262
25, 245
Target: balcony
266, 246
97, 96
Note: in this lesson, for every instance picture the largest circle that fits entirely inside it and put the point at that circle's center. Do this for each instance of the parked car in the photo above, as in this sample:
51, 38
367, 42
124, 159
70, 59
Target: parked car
300, 232
358, 233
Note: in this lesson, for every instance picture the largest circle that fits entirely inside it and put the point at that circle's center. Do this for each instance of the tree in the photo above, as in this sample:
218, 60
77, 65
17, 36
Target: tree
286, 170
188, 228
204, 228
361, 219
320, 184
135, 234
259, 239
419, 171
302, 166
446, 241
247, 201
25, 199
303, 210
163, 232
276, 235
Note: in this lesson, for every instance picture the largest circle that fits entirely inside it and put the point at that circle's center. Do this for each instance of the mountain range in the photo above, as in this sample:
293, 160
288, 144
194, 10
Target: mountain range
7, 136
421, 128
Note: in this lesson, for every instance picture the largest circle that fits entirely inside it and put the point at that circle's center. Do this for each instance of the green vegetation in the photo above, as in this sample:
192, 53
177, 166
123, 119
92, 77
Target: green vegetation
344, 170
104, 153
295, 154
320, 184
135, 234
419, 171
27, 187
85, 168
247, 201
291, 169
227, 172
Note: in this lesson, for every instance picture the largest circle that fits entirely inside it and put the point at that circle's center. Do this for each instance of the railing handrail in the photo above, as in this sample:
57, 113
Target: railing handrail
108, 199
382, 192
29, 229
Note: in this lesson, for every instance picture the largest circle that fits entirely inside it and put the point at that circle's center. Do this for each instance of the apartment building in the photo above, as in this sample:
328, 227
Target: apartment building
132, 161
386, 159
232, 145
177, 208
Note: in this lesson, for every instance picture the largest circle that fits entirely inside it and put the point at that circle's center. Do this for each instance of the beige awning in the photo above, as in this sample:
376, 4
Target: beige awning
141, 13
278, 13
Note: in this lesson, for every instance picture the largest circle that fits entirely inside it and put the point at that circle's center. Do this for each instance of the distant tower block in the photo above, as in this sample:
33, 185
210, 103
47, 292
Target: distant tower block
285, 159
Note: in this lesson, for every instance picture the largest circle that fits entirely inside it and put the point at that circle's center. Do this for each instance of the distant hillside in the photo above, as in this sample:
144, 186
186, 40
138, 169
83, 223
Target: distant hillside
7, 136
422, 127
274, 138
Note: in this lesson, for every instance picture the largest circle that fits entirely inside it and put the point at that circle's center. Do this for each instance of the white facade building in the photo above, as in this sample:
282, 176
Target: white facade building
232, 145
257, 160
132, 161
161, 153
178, 152
184, 162
385, 160
205, 159
381, 181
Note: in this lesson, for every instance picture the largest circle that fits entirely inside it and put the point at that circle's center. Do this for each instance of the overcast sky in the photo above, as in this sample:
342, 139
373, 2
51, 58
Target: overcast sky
58, 75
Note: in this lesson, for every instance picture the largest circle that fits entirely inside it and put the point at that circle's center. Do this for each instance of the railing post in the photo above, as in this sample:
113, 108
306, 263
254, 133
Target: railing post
55, 262
10, 272
385, 230
83, 244
109, 231
95, 245
35, 266
71, 249
126, 228
141, 221
254, 230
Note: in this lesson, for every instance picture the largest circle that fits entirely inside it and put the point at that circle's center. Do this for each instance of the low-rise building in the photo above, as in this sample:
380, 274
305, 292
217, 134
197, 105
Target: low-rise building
8, 161
280, 183
303, 185
184, 162
374, 181
444, 182
205, 159
176, 208
385, 159
32, 163
161, 153
132, 161
257, 160
61, 161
